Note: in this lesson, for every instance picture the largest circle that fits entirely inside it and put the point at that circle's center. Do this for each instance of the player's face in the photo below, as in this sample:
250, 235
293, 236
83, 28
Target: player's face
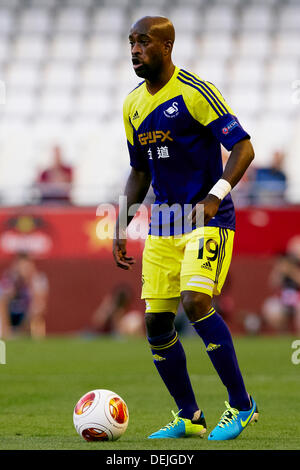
146, 54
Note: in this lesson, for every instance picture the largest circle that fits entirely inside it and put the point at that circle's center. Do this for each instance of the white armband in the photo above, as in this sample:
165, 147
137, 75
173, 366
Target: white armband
221, 189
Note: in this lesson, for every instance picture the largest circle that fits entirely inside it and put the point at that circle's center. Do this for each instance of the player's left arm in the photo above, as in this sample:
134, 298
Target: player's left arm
239, 160
212, 111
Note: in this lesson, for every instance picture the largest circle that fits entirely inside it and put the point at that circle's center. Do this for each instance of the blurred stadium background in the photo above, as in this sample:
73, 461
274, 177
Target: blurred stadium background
65, 70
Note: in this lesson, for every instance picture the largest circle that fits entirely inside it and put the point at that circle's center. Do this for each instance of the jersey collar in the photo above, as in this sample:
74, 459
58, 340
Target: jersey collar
164, 88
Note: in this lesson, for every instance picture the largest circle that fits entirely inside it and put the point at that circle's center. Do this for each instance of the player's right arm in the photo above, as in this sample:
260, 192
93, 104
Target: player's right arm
136, 188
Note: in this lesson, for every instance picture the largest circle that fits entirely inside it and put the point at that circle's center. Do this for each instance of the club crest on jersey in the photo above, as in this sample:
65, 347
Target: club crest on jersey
229, 127
172, 110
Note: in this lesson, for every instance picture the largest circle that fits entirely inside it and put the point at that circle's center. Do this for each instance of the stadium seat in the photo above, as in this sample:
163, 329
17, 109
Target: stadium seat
93, 74
104, 47
44, 3
289, 18
35, 20
278, 99
184, 47
196, 3
56, 103
257, 17
287, 44
23, 75
6, 21
109, 20
282, 70
247, 71
246, 45
246, 99
51, 130
29, 47
269, 124
219, 17
60, 75
211, 70
93, 102
12, 4
127, 78
116, 3
216, 45
186, 19
71, 20
90, 180
79, 3
66, 47
4, 49
19, 103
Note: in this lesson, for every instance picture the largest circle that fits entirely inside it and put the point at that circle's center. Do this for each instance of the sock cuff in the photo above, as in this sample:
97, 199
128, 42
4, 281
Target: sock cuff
163, 341
209, 314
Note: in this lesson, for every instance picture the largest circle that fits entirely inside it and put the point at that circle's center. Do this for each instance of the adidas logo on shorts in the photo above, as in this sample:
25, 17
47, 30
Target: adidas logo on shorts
207, 265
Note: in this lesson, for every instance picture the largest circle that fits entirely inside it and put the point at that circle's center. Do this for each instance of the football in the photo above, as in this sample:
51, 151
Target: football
100, 415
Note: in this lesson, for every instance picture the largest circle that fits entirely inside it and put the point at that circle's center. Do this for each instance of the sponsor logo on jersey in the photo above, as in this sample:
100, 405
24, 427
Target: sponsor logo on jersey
153, 136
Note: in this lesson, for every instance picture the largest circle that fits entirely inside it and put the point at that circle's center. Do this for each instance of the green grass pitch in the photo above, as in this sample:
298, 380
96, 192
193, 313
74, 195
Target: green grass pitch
42, 381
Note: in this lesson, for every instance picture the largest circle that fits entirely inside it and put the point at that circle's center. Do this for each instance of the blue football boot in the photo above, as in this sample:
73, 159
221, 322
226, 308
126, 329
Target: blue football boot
233, 422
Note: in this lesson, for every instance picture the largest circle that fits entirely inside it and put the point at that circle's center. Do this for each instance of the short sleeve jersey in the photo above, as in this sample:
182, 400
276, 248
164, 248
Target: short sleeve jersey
176, 134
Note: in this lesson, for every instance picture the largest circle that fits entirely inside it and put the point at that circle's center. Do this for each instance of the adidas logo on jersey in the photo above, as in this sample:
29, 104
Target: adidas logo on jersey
207, 265
135, 116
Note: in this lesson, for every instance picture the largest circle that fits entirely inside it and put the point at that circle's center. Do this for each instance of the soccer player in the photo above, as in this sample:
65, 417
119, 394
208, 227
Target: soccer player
175, 123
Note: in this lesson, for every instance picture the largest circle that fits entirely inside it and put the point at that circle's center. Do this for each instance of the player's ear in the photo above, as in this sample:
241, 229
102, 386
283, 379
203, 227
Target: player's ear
168, 46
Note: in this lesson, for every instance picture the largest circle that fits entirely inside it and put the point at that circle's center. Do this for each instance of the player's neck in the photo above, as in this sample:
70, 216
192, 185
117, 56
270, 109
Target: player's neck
155, 84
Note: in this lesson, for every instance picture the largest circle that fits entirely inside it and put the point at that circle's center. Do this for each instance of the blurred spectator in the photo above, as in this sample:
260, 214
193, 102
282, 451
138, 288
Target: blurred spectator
252, 323
281, 312
55, 182
114, 315
23, 299
269, 183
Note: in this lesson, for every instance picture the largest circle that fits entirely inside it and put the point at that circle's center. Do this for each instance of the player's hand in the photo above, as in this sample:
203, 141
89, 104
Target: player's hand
210, 207
119, 253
